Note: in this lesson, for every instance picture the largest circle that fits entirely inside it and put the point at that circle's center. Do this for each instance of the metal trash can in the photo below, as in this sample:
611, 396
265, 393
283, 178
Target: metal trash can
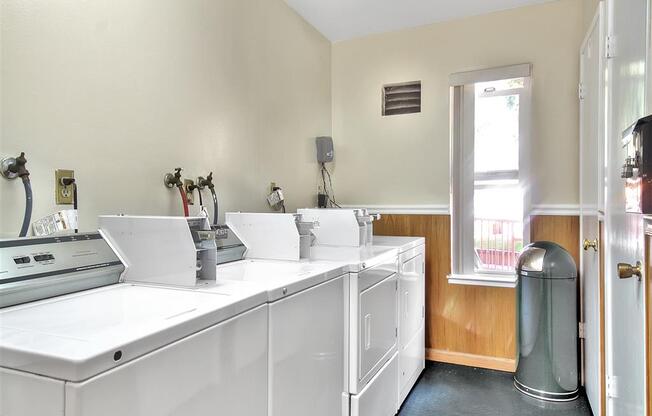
548, 324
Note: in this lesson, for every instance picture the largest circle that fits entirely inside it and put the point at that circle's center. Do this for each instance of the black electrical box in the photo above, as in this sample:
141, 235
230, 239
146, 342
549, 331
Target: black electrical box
637, 169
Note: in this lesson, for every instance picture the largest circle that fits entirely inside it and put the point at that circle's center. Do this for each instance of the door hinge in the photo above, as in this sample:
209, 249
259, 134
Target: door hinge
396, 285
396, 332
610, 46
580, 330
423, 311
580, 91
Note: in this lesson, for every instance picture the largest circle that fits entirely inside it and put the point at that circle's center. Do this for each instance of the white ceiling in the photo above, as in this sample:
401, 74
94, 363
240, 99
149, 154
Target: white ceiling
346, 19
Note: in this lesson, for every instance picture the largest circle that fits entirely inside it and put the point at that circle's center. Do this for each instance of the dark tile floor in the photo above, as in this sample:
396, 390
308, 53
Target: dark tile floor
451, 390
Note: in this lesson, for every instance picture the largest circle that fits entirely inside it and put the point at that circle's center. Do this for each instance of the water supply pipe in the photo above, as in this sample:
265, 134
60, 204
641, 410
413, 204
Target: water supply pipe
171, 180
208, 182
12, 168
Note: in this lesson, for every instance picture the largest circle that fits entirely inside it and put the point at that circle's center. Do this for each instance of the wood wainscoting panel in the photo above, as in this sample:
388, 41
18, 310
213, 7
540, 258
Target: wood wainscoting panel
561, 229
471, 325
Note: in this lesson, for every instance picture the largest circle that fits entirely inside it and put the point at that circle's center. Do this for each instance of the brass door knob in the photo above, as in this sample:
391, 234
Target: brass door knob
590, 244
625, 270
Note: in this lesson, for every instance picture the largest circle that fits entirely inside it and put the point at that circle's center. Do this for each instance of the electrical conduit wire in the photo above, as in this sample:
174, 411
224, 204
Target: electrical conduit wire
27, 218
215, 207
75, 205
201, 200
184, 201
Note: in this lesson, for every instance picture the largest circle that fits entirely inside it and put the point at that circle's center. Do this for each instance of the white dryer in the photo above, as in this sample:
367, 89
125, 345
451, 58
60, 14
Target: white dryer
369, 301
373, 326
411, 307
82, 343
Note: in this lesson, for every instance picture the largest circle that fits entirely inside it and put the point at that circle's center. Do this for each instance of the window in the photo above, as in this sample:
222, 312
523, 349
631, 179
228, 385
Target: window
489, 132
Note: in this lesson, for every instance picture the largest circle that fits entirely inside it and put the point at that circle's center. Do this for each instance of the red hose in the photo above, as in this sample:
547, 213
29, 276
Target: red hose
184, 200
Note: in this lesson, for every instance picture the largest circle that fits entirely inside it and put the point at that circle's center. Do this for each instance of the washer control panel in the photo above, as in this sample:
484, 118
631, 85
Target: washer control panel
35, 268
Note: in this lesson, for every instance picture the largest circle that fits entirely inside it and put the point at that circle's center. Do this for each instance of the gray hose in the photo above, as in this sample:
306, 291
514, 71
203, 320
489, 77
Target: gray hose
215, 212
28, 207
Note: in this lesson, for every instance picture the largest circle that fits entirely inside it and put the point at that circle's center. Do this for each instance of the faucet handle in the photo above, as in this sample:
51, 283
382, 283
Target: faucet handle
18, 167
171, 180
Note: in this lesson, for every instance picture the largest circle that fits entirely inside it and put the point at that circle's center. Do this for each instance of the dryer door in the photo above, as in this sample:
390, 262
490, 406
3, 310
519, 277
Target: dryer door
377, 327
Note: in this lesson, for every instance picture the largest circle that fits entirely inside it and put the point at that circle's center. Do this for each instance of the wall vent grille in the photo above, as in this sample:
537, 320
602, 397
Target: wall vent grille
403, 98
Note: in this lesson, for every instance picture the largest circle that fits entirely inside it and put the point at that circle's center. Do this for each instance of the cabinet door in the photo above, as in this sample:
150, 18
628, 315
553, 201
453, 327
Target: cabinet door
221, 370
307, 352
624, 232
591, 206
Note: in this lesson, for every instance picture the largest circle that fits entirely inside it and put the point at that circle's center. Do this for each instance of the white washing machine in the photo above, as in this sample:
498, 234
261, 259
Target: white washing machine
373, 326
306, 331
411, 307
75, 341
370, 300
306, 301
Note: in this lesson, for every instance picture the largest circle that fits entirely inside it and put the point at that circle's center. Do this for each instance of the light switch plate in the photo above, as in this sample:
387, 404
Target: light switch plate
63, 194
190, 195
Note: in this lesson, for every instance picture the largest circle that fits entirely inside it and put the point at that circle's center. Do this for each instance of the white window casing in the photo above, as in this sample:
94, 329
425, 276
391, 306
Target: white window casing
462, 172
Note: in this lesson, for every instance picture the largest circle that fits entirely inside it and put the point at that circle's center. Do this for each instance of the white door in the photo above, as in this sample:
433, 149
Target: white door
591, 201
626, 75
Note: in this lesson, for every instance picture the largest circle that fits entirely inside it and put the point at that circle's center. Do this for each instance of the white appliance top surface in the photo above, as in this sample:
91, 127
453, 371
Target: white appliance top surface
77, 336
358, 258
402, 243
279, 278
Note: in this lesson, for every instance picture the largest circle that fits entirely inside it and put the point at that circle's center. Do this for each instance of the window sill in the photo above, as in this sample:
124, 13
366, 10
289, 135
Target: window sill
491, 280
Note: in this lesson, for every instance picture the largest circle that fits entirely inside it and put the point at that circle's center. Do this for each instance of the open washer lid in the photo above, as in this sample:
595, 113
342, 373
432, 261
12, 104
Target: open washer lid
77, 336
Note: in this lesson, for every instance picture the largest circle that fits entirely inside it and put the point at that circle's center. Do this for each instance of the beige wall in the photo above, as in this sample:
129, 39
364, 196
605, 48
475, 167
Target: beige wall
589, 8
403, 160
123, 91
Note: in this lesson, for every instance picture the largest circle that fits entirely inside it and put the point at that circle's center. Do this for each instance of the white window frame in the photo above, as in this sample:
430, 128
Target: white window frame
462, 172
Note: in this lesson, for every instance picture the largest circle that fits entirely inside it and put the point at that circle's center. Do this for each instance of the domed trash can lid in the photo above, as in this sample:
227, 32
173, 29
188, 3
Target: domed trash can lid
546, 260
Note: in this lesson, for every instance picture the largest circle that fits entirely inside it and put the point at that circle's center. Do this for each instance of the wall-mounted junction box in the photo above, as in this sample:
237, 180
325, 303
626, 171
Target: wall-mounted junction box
63, 194
188, 186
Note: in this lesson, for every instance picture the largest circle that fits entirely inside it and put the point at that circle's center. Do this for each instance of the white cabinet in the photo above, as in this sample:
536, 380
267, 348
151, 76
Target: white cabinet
220, 370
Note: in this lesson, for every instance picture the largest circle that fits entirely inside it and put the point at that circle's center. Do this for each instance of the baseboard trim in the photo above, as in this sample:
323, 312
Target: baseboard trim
471, 360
